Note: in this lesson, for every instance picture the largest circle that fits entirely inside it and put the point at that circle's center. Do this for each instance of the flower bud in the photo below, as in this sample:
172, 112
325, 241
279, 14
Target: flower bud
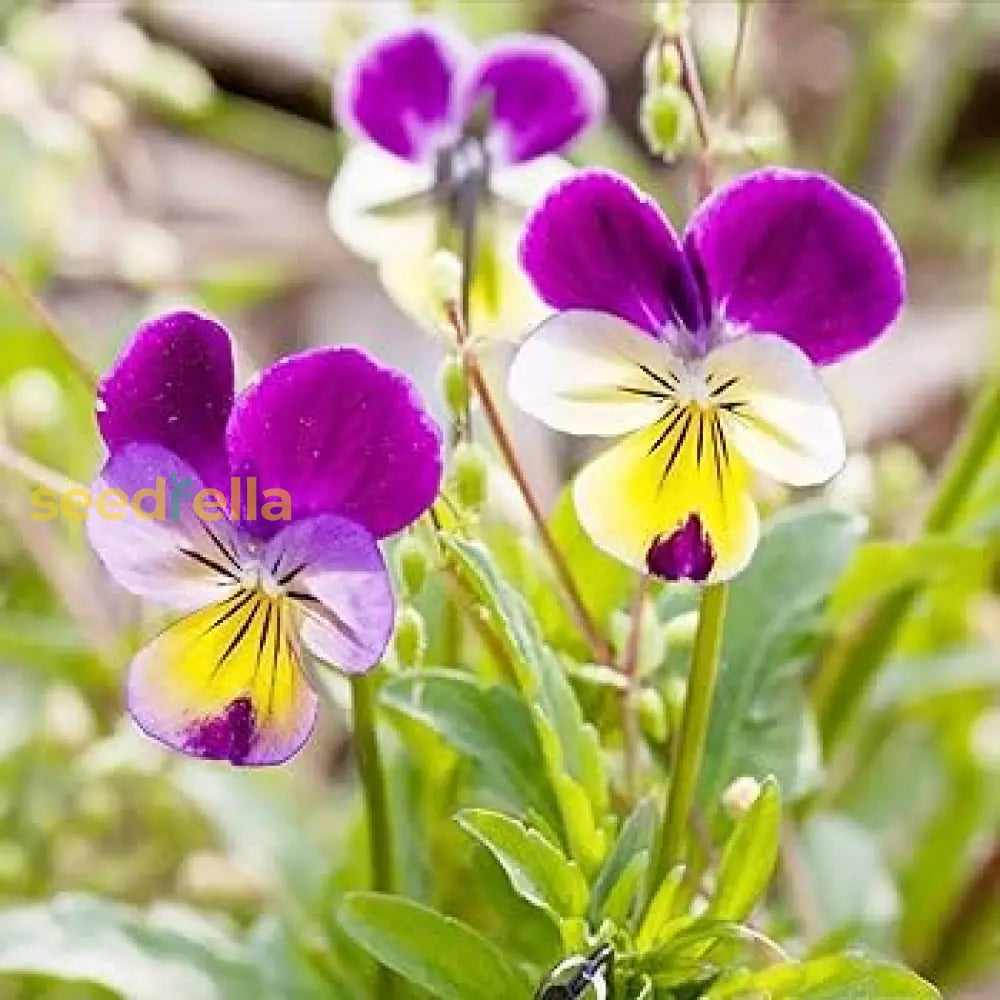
101, 110
36, 400
673, 17
445, 273
411, 565
469, 473
653, 717
662, 66
681, 629
739, 797
410, 637
666, 118
454, 386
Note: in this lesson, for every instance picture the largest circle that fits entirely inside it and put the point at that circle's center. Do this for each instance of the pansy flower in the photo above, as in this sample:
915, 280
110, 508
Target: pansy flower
702, 352
452, 137
342, 450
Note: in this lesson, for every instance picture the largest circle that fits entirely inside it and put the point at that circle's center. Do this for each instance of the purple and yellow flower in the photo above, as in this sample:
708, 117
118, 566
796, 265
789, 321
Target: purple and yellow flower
349, 445
702, 351
453, 137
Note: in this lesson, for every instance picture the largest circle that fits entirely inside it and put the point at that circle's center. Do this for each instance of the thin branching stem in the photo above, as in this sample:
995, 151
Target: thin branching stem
53, 330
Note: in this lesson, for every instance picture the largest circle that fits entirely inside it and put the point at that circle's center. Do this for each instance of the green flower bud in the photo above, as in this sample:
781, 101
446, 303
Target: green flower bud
662, 66
673, 17
470, 474
411, 565
410, 637
666, 118
653, 717
454, 386
739, 797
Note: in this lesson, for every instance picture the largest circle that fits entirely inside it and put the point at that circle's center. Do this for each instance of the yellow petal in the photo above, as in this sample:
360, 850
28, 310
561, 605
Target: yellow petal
226, 683
648, 486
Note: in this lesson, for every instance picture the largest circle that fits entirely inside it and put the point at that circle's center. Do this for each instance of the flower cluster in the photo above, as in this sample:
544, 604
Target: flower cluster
701, 351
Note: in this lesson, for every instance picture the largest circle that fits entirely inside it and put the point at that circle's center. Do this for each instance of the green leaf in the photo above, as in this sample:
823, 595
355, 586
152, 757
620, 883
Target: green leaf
540, 675
165, 954
881, 567
571, 748
441, 955
491, 725
636, 835
621, 901
837, 978
537, 869
760, 720
662, 910
749, 858
933, 681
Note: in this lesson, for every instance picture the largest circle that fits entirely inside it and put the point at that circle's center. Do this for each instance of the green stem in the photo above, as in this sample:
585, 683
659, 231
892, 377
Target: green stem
53, 331
690, 747
851, 665
373, 785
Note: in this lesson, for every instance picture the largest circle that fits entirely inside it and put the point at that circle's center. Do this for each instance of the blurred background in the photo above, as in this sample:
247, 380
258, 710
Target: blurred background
169, 151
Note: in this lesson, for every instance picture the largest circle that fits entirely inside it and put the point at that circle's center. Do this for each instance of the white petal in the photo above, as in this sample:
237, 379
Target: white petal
504, 305
591, 373
525, 184
369, 178
785, 424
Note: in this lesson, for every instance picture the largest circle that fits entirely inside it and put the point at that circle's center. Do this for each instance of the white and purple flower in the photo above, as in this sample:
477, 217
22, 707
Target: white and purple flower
452, 137
703, 352
350, 445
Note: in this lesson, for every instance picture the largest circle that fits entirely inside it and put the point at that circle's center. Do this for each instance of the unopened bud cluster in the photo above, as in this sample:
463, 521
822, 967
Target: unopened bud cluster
666, 115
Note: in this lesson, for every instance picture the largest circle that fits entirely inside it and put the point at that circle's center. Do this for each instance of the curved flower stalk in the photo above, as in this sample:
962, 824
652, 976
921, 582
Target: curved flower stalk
347, 449
703, 352
455, 145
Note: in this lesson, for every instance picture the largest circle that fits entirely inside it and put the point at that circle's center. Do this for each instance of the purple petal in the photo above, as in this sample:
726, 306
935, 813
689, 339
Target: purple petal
542, 94
342, 435
172, 557
399, 91
596, 242
687, 554
340, 583
793, 253
172, 385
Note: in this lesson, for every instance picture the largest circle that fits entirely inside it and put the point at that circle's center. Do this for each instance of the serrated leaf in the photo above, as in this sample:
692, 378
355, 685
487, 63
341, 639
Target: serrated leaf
489, 724
538, 871
441, 955
749, 858
834, 978
540, 675
760, 722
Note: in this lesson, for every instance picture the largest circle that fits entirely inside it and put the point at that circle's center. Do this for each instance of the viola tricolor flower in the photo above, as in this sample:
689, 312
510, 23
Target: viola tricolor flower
454, 140
358, 458
703, 352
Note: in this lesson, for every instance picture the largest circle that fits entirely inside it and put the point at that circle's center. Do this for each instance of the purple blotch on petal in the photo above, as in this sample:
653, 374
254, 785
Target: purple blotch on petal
596, 242
229, 736
793, 253
542, 94
399, 90
687, 554
172, 385
342, 434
